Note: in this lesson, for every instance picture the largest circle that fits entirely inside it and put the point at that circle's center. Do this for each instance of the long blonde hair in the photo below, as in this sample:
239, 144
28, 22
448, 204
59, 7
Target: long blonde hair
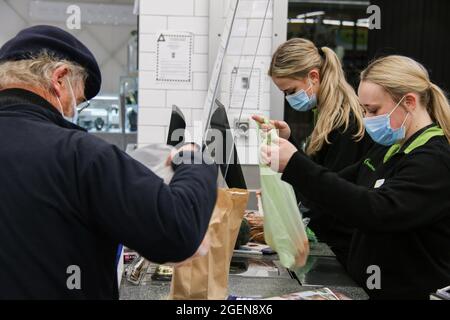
337, 100
400, 75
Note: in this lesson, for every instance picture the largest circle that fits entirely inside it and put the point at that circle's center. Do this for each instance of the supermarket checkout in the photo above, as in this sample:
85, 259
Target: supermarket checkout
397, 198
68, 198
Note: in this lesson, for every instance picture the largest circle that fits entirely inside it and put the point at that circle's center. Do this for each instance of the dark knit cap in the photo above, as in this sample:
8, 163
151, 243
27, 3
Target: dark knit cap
33, 41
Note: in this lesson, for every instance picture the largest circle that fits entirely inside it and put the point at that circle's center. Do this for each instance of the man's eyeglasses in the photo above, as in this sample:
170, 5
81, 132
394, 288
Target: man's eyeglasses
83, 105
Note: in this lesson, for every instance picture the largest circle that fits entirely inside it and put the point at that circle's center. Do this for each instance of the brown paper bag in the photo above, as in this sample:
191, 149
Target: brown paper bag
206, 278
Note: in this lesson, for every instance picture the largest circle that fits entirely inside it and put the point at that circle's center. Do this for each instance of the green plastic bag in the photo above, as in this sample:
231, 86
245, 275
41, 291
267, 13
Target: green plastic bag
284, 231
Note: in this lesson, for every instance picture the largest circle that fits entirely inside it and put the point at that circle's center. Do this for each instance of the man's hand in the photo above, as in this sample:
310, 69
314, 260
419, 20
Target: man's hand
284, 131
278, 154
201, 252
187, 147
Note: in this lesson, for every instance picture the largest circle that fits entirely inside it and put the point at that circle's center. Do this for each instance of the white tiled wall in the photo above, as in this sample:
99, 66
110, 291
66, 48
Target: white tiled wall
155, 99
252, 33
193, 16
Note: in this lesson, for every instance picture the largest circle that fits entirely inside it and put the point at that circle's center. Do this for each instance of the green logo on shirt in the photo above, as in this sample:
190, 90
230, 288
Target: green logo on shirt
369, 164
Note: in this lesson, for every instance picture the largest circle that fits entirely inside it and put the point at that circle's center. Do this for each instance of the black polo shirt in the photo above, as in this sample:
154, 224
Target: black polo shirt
398, 200
342, 151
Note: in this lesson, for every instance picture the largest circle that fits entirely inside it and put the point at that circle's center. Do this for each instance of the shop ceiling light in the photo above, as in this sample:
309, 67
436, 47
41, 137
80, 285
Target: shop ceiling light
332, 22
348, 23
363, 23
310, 14
308, 21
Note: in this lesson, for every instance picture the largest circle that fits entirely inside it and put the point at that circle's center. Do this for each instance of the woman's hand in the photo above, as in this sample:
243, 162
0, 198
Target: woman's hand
283, 128
278, 154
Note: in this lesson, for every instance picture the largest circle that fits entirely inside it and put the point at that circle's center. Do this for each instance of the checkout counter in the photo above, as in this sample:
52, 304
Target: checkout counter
321, 270
261, 276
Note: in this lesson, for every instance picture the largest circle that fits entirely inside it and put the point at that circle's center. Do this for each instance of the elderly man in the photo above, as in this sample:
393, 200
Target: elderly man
67, 198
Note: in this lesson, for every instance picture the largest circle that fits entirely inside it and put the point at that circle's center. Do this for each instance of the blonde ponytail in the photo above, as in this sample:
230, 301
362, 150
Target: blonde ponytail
439, 109
400, 75
337, 100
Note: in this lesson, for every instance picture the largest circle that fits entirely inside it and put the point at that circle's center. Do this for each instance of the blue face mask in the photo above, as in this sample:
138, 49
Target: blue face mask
379, 128
300, 101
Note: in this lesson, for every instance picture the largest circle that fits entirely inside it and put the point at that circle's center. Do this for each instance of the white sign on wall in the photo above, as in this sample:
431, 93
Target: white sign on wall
245, 88
174, 57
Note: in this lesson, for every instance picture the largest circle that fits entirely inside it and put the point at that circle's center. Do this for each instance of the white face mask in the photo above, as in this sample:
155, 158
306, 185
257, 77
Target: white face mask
74, 118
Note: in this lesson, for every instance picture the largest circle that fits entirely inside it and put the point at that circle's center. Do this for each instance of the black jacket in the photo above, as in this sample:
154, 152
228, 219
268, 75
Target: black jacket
342, 151
399, 202
68, 199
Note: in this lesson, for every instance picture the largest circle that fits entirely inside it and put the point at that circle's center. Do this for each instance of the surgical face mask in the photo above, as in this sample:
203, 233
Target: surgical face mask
300, 101
74, 118
379, 128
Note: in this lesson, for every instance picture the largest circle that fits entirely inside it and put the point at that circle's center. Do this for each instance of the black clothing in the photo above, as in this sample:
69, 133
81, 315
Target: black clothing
397, 199
342, 152
69, 198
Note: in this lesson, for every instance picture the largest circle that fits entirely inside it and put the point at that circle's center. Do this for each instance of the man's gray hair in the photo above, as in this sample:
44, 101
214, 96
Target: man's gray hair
37, 72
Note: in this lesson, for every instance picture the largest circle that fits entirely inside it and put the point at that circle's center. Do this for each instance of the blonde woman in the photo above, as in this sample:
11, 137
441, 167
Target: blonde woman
398, 198
312, 78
